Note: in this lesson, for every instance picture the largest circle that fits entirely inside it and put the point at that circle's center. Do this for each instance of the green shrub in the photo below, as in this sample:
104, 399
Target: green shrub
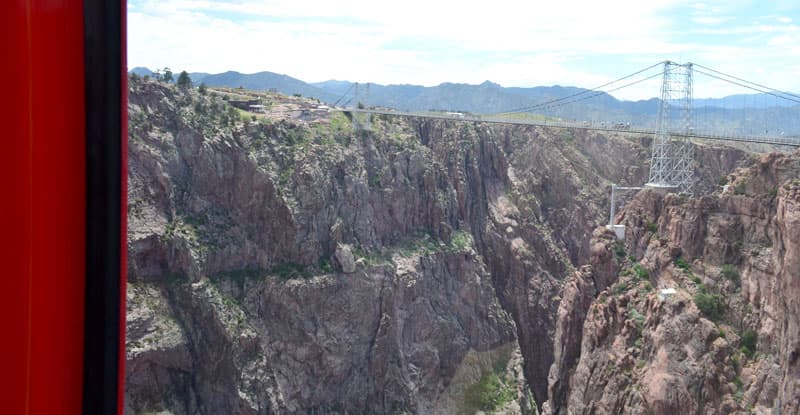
730, 272
735, 361
375, 181
710, 305
682, 264
489, 393
289, 270
619, 249
325, 265
773, 193
652, 227
723, 180
697, 280
641, 272
749, 341
460, 240
740, 188
738, 382
738, 396
746, 351
637, 317
620, 288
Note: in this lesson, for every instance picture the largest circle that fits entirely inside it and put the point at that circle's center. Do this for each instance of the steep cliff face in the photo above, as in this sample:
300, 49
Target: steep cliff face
726, 341
309, 265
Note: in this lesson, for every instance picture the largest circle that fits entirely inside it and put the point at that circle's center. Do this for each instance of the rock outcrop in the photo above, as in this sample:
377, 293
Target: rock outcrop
725, 341
419, 266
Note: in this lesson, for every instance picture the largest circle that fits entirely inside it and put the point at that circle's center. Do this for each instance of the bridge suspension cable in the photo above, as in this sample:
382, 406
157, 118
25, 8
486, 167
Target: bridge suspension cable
777, 91
586, 91
596, 93
343, 95
757, 87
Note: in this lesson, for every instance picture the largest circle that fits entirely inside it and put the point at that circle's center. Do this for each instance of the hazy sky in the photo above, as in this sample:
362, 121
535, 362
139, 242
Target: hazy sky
524, 43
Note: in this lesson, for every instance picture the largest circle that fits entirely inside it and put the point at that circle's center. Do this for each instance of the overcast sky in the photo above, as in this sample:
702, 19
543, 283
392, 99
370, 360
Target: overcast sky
427, 42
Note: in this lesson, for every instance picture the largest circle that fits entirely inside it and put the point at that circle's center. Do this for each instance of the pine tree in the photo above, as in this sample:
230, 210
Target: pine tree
167, 76
184, 81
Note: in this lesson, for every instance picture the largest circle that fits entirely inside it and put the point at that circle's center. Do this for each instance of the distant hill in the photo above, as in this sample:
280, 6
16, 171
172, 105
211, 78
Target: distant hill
265, 81
141, 71
257, 81
744, 101
198, 77
489, 97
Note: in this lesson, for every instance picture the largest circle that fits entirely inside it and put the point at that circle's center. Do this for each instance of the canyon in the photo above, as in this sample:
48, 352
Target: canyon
331, 262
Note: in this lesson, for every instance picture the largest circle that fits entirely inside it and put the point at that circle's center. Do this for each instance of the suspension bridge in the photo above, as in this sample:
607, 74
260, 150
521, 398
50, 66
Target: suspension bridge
760, 115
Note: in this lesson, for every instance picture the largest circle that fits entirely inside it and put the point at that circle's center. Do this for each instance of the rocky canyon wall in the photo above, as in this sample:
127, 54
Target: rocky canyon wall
421, 266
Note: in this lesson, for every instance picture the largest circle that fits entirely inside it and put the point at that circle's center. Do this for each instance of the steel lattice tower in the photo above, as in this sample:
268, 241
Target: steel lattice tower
673, 154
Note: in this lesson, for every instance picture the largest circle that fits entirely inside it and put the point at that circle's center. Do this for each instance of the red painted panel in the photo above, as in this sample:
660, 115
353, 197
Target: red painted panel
43, 176
15, 214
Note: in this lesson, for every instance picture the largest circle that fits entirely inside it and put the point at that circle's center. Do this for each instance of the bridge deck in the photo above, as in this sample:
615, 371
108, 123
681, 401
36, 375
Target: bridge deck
775, 140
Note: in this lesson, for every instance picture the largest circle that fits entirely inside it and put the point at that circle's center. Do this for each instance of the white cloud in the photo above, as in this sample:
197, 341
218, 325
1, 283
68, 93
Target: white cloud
582, 43
710, 20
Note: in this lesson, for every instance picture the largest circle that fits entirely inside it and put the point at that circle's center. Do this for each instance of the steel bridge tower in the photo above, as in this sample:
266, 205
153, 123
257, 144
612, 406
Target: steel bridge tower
671, 164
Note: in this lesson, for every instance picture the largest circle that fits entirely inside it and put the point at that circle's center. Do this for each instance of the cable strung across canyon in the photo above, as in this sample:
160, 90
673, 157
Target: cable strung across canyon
596, 93
344, 95
596, 89
750, 85
776, 91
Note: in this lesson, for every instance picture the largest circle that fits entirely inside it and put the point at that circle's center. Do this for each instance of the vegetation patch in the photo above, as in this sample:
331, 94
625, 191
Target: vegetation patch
290, 270
375, 182
619, 249
682, 264
740, 188
652, 227
489, 393
748, 343
284, 271
636, 316
620, 287
372, 257
739, 395
710, 305
641, 272
460, 240
325, 265
424, 244
730, 272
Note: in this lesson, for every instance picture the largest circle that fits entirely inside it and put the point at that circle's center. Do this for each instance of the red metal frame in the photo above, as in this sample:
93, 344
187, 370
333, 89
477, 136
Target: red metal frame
42, 212
43, 175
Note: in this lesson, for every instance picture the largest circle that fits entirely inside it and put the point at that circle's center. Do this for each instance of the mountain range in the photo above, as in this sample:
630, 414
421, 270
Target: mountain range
489, 97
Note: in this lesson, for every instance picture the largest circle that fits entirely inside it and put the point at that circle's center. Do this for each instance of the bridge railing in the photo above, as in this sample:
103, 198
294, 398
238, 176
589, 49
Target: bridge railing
793, 141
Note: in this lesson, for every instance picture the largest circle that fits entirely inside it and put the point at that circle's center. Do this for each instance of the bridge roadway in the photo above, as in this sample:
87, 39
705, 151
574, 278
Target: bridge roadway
793, 141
